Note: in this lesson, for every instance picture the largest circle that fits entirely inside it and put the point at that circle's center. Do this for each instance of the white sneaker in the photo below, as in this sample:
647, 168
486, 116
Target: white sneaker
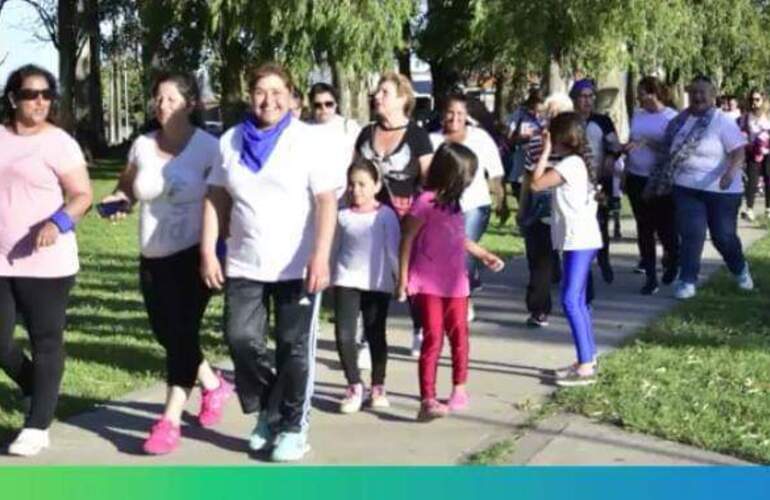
416, 343
354, 397
684, 291
29, 443
744, 279
471, 311
750, 215
364, 357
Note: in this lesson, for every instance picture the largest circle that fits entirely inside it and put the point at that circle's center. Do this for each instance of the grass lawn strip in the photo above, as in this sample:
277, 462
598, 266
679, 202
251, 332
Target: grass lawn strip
700, 375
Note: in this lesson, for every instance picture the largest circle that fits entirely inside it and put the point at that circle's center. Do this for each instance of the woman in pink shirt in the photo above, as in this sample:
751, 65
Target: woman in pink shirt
44, 191
434, 274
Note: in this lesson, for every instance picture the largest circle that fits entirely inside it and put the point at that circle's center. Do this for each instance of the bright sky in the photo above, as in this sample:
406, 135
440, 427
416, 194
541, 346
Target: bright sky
17, 42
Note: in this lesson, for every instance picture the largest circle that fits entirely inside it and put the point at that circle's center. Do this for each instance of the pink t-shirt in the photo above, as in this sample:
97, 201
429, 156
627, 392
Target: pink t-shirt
437, 262
30, 192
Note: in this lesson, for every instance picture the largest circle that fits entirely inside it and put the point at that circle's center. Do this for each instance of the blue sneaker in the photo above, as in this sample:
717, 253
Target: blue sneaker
261, 437
290, 447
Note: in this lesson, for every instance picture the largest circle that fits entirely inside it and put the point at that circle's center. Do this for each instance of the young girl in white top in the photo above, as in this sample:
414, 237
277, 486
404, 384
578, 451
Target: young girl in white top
166, 174
574, 231
364, 274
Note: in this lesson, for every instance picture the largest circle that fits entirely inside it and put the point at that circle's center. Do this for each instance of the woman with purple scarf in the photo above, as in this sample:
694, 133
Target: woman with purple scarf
272, 197
704, 153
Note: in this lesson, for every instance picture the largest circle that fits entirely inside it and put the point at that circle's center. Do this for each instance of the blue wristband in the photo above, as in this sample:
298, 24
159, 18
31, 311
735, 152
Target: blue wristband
221, 249
63, 221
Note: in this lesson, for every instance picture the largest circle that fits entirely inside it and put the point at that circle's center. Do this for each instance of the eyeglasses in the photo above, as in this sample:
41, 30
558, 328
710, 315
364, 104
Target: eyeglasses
32, 94
324, 104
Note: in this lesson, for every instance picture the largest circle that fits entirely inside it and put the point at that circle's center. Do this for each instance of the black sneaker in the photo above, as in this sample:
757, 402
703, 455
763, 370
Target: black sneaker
649, 288
607, 274
669, 275
538, 320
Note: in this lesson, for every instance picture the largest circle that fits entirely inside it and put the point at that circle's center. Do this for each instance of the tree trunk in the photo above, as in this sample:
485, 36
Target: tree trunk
503, 91
445, 80
95, 103
616, 79
67, 32
113, 136
341, 81
556, 81
404, 55
231, 81
631, 82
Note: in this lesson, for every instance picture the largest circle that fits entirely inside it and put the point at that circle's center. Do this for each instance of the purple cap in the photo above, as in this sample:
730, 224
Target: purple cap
581, 85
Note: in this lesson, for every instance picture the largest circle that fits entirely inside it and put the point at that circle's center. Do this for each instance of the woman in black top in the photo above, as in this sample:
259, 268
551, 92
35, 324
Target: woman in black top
400, 149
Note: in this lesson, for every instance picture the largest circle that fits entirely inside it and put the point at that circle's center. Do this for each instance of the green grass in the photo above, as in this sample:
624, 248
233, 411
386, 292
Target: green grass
504, 240
700, 375
110, 349
496, 454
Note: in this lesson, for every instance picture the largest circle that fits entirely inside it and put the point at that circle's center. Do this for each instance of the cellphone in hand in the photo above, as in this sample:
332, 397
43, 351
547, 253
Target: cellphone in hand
112, 207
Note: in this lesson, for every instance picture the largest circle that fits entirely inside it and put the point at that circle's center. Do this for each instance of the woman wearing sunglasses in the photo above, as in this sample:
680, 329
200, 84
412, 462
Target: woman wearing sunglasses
44, 192
343, 131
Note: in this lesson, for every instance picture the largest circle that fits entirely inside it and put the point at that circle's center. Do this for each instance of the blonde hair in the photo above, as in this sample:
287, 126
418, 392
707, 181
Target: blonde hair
558, 102
403, 89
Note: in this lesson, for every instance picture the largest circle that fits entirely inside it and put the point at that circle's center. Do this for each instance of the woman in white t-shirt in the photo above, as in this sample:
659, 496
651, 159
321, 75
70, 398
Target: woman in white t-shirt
324, 106
654, 216
476, 202
706, 151
272, 194
166, 174
755, 124
574, 231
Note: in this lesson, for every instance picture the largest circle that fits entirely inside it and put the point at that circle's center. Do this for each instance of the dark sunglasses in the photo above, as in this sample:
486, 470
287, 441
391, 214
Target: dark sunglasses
32, 94
324, 104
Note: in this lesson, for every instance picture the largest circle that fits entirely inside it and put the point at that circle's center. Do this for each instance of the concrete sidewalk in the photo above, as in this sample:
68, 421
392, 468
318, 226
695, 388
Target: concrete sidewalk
508, 361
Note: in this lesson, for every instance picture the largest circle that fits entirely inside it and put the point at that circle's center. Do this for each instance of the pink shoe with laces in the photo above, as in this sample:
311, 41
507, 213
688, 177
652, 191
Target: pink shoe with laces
213, 401
163, 439
431, 409
458, 401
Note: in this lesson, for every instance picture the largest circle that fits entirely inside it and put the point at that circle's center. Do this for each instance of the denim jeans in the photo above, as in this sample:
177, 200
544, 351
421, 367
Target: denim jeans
476, 222
696, 210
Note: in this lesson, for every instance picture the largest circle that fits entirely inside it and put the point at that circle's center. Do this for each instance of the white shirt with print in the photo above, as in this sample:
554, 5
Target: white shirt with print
366, 249
705, 167
171, 192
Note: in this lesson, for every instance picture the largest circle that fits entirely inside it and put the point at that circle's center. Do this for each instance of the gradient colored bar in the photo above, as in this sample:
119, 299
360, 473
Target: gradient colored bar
391, 483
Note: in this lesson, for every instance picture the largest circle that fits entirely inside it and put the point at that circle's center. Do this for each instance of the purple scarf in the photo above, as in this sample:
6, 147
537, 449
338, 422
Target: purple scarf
258, 143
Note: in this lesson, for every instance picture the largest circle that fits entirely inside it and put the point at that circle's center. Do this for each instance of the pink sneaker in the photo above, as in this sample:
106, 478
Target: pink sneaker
458, 401
431, 409
164, 438
213, 401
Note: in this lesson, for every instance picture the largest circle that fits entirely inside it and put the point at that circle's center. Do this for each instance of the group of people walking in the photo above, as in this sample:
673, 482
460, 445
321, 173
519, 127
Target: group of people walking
277, 210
